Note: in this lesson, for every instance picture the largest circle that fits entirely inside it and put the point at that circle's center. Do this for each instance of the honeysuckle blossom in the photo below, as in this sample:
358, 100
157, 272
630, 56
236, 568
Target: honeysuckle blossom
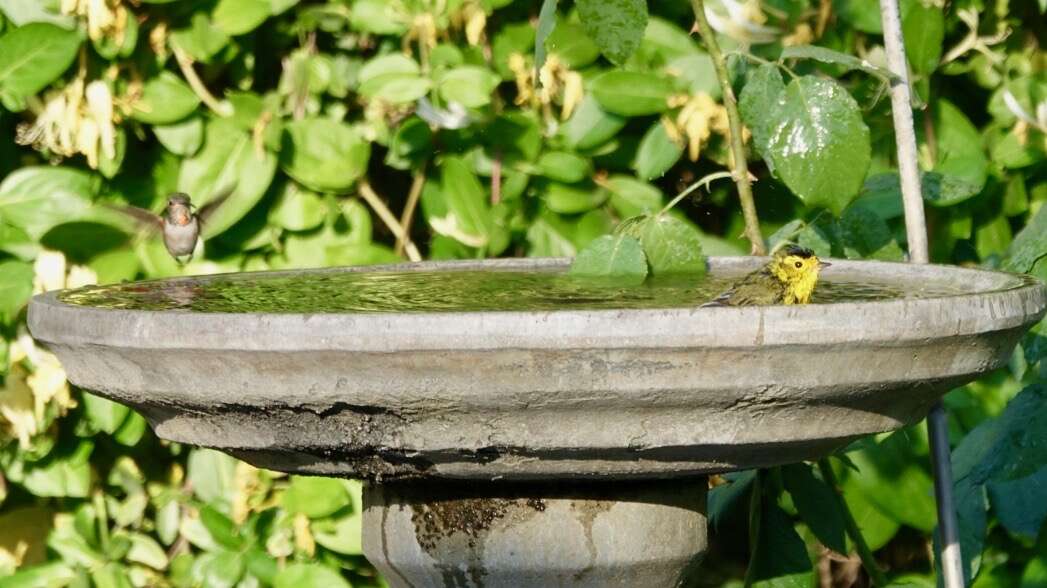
76, 119
556, 80
698, 118
35, 377
105, 18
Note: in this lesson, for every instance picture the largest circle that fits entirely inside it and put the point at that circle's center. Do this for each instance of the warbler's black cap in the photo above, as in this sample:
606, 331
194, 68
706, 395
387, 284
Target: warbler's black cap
797, 251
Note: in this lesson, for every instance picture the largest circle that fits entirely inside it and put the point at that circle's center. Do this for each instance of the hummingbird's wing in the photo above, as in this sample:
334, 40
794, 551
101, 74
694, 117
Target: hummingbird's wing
207, 210
146, 220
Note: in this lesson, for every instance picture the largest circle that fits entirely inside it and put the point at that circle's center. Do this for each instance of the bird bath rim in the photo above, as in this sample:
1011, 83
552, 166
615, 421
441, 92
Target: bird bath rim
539, 395
50, 318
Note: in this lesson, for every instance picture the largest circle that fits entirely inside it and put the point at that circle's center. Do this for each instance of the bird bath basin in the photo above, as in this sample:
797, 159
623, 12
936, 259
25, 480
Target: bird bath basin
520, 427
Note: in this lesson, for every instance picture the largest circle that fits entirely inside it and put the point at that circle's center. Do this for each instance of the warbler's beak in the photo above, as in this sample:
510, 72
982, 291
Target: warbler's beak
823, 264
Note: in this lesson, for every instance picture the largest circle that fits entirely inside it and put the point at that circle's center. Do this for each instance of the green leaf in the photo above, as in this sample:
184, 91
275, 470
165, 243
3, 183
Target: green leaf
617, 26
698, 71
550, 236
315, 497
883, 192
165, 99
959, 145
33, 56
817, 505
631, 197
826, 55
668, 40
221, 527
572, 46
468, 219
183, 137
64, 475
564, 166
670, 245
213, 476
780, 558
227, 159
342, 535
309, 575
323, 154
297, 209
658, 152
378, 17
1029, 245
469, 85
892, 478
58, 573
132, 430
591, 126
865, 235
1021, 505
614, 256
546, 25
236, 17
104, 414
861, 14
15, 288
393, 77
22, 12
632, 93
146, 551
923, 28
757, 105
569, 199
202, 40
35, 199
819, 143
219, 569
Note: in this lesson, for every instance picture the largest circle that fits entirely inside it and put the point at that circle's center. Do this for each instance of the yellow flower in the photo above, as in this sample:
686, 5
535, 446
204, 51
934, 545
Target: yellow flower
105, 18
303, 536
76, 119
698, 118
16, 407
557, 81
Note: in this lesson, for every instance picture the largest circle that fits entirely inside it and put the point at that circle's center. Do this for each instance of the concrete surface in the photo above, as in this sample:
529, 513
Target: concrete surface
537, 395
533, 535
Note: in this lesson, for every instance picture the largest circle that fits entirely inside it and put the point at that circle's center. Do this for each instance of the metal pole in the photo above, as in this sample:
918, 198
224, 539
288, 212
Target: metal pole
916, 232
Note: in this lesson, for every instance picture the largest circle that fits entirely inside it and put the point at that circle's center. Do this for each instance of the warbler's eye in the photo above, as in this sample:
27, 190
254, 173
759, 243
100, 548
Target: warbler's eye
799, 264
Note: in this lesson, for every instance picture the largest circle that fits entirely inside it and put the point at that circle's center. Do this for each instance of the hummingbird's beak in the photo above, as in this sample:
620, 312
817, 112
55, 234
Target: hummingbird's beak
823, 264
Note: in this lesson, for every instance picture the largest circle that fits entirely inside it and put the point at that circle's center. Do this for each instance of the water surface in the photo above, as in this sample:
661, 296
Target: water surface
445, 291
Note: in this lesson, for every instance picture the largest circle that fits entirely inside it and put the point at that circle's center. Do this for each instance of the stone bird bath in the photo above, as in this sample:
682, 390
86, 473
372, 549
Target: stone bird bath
550, 447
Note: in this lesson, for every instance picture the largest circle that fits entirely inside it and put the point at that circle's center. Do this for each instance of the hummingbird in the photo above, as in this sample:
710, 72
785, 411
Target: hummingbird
180, 223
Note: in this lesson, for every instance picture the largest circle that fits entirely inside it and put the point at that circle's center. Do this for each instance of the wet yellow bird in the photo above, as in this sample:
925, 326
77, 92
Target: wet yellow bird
789, 278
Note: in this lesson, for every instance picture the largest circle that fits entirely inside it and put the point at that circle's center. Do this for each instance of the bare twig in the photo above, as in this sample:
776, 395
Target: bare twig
739, 168
417, 183
496, 178
185, 63
386, 216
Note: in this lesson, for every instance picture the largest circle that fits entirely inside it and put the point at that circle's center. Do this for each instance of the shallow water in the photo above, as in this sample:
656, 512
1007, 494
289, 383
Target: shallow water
446, 291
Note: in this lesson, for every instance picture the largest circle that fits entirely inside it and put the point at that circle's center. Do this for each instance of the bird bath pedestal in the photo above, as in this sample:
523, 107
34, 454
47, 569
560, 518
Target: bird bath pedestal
560, 446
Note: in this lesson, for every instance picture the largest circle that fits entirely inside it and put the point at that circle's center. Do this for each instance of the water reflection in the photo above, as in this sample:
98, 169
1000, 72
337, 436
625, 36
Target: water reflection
441, 291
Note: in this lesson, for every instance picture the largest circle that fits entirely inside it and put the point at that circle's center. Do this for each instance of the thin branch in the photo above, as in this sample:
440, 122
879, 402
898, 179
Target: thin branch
705, 181
387, 217
876, 575
417, 183
740, 169
185, 63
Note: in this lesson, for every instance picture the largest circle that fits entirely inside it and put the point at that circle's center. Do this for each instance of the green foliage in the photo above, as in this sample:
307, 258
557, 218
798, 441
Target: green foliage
497, 128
